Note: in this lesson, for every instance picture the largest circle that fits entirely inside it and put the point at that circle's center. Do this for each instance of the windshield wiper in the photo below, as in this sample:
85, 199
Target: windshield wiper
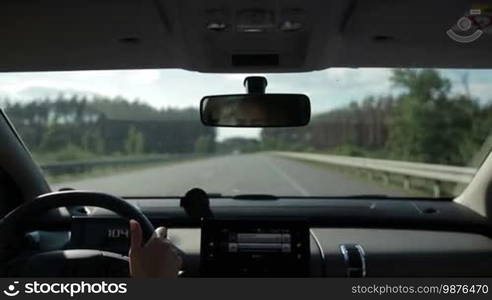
255, 197
215, 195
356, 196
365, 196
273, 197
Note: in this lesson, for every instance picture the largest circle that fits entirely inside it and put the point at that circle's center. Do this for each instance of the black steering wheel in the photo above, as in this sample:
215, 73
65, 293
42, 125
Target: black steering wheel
73, 262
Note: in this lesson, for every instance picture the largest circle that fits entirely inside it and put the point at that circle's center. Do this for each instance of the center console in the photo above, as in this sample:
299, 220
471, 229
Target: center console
233, 248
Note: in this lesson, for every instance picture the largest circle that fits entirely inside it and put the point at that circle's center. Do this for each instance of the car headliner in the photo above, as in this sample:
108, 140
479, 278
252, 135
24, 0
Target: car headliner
130, 34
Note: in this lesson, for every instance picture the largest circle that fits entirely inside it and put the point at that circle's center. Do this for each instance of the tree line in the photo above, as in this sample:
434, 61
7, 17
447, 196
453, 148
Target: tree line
75, 127
425, 122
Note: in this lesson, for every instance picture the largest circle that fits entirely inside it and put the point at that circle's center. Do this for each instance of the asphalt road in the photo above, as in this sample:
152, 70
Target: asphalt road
231, 175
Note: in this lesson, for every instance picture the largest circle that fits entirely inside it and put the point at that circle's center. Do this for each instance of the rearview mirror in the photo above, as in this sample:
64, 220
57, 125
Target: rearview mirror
256, 110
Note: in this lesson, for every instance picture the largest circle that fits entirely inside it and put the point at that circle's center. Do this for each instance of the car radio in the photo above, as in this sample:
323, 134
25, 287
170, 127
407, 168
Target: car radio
242, 249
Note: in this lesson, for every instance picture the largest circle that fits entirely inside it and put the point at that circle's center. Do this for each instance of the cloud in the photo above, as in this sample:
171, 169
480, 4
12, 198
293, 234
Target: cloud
479, 83
225, 133
238, 76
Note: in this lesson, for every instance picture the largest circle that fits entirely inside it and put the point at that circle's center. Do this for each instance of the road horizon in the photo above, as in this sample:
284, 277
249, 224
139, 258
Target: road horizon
257, 173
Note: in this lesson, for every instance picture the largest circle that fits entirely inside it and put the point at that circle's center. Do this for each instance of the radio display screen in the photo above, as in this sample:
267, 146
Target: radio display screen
242, 249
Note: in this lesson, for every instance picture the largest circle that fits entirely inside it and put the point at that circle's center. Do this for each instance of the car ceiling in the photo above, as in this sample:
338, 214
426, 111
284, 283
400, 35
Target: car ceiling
132, 34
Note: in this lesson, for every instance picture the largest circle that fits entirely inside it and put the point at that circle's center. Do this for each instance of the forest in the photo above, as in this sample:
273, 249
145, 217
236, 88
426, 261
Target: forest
425, 121
77, 128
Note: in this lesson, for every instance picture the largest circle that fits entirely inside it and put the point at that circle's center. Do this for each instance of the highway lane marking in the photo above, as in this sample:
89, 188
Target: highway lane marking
289, 179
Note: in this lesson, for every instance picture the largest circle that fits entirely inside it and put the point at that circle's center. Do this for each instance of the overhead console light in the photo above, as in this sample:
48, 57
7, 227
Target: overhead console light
290, 26
292, 20
255, 20
217, 20
216, 26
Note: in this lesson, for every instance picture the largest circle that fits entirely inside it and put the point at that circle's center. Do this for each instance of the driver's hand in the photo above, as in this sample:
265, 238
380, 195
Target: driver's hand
158, 258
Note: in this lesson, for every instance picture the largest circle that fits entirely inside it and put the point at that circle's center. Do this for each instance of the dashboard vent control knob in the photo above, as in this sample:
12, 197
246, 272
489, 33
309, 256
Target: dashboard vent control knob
355, 259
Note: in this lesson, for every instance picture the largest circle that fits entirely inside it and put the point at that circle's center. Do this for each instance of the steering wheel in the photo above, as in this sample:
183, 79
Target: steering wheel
61, 263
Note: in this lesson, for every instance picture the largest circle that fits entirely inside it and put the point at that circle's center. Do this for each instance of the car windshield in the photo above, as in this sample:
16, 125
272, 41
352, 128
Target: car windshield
395, 132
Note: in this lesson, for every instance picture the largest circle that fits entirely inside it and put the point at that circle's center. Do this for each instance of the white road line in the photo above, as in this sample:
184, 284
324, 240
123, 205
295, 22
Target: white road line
289, 179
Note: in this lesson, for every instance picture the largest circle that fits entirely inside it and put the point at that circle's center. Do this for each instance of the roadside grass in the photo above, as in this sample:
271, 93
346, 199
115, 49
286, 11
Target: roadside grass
103, 171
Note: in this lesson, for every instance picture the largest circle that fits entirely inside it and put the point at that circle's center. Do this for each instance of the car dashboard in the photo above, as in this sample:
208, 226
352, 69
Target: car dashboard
291, 237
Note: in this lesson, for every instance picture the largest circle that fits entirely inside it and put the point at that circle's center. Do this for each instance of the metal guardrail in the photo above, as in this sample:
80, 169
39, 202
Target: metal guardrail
433, 172
81, 166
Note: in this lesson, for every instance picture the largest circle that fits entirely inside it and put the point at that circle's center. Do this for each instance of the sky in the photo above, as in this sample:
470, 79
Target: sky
327, 89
